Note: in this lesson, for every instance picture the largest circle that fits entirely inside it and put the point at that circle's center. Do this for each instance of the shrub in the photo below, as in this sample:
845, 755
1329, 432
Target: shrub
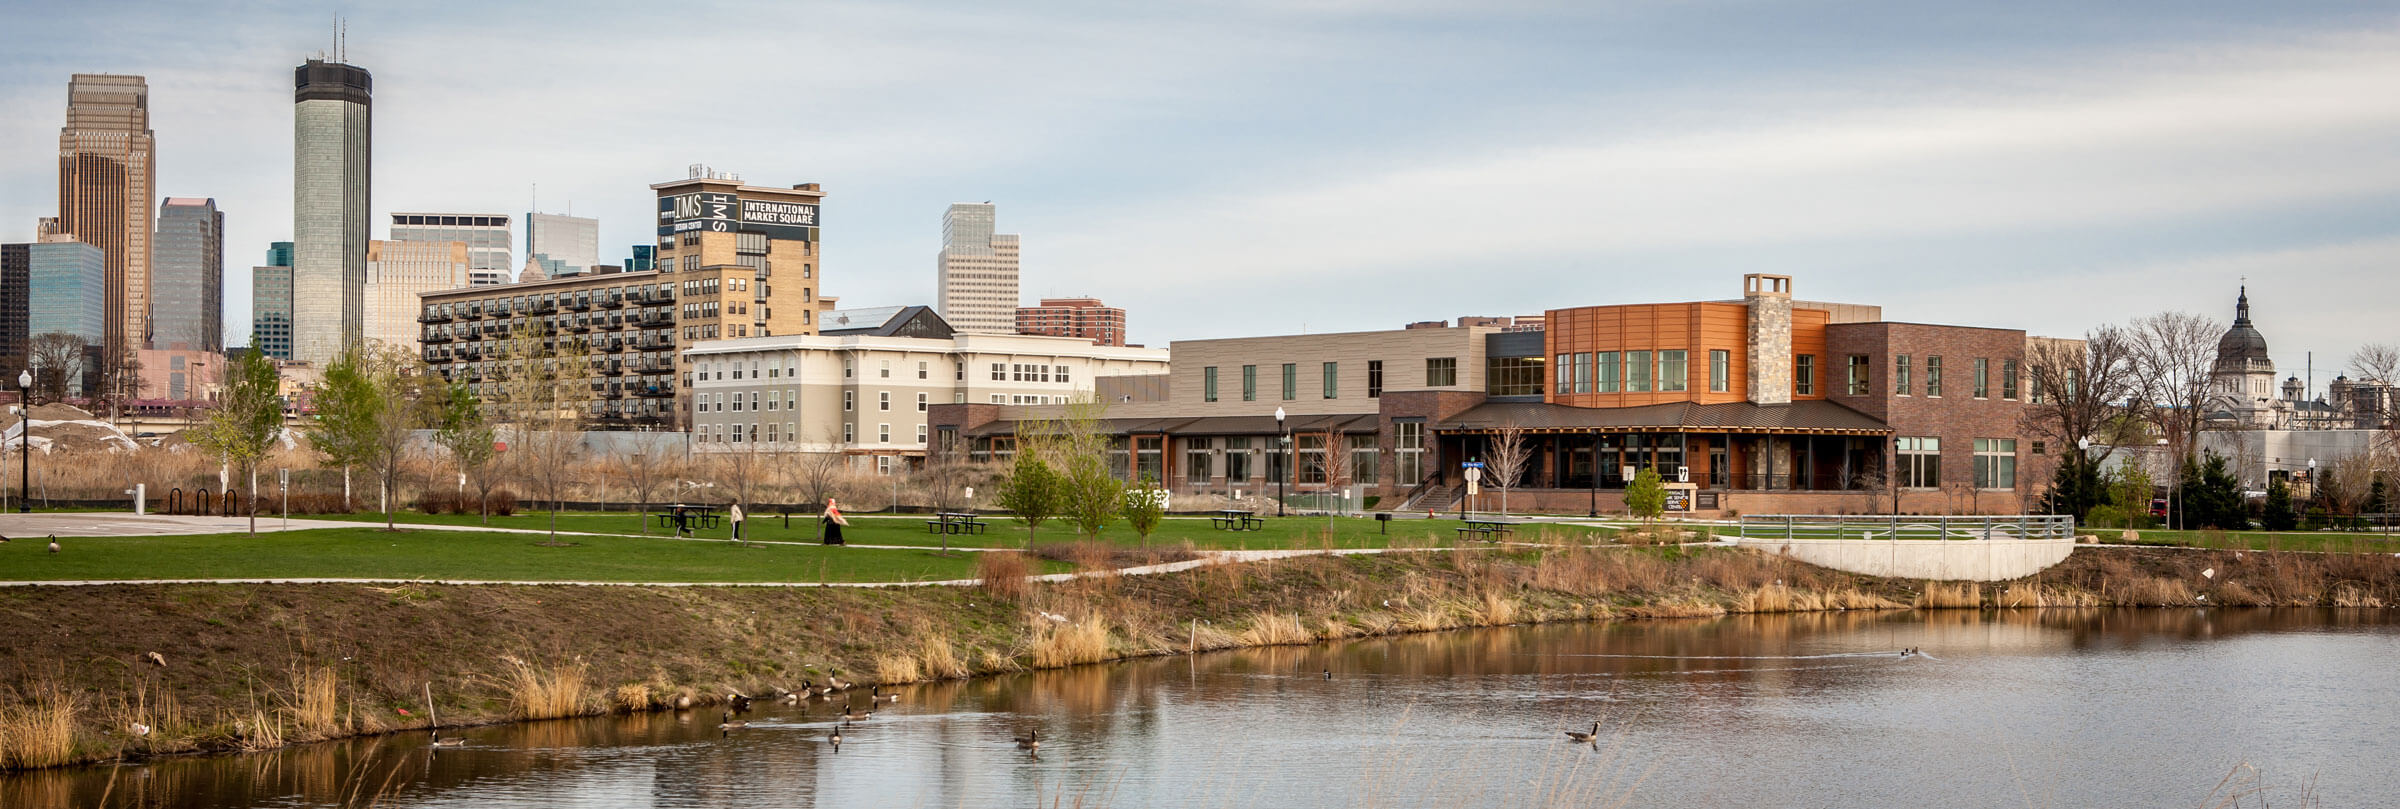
537, 693
1003, 574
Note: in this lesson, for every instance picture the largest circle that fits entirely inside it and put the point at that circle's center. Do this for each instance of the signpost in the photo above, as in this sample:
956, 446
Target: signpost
1474, 474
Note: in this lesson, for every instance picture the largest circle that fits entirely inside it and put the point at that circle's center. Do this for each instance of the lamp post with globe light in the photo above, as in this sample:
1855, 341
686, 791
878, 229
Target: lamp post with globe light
24, 441
1284, 459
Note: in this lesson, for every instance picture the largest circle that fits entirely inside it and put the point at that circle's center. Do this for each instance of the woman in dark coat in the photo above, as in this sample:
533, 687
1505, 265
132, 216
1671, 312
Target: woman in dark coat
832, 521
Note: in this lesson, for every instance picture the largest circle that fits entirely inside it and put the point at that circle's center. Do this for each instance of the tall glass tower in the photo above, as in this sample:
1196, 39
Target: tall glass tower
332, 135
107, 170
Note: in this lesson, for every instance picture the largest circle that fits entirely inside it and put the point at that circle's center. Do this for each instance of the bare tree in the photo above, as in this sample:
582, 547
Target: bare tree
647, 474
946, 476
2174, 356
2076, 388
542, 392
818, 476
2377, 362
1506, 458
120, 379
740, 470
58, 360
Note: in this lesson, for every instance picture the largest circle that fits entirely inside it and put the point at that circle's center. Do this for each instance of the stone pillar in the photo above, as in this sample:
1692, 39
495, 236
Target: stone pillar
1770, 337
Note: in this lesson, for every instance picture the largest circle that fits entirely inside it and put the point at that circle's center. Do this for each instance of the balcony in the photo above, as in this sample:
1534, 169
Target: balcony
609, 368
655, 391
581, 327
431, 316
579, 305
613, 392
612, 302
608, 344
435, 337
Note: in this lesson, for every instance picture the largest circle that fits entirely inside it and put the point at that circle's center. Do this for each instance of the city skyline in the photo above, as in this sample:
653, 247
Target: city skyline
1974, 165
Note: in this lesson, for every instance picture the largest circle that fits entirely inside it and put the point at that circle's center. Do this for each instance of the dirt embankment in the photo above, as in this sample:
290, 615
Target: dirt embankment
255, 666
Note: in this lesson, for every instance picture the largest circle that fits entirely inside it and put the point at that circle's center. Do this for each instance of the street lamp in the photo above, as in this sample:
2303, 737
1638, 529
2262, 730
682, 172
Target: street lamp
1594, 478
25, 440
1285, 459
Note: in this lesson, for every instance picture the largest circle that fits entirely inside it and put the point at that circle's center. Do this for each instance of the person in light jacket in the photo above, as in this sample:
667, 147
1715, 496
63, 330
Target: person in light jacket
733, 514
832, 522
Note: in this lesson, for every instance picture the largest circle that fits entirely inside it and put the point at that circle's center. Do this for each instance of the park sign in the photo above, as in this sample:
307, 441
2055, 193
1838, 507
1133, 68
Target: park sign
719, 212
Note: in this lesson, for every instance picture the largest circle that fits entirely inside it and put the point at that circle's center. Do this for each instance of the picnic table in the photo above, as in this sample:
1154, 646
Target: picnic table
1486, 529
700, 516
955, 522
1234, 519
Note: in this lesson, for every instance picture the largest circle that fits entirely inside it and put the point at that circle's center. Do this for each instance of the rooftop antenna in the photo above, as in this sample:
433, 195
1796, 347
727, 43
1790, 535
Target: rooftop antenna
341, 44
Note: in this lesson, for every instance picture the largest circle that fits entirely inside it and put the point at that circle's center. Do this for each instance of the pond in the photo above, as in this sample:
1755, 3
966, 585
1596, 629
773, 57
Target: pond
2030, 708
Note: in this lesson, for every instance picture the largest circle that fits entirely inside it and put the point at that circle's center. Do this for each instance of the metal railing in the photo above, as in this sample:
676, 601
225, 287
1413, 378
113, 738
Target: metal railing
1801, 527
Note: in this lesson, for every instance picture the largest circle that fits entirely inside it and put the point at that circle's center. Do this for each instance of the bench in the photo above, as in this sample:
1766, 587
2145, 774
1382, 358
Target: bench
1233, 519
951, 523
1488, 530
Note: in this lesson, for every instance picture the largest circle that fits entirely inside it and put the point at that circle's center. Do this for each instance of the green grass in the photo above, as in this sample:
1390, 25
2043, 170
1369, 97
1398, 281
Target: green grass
407, 554
2318, 541
1004, 532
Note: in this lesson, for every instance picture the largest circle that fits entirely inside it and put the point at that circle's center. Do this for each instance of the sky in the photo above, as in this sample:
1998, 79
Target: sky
1223, 169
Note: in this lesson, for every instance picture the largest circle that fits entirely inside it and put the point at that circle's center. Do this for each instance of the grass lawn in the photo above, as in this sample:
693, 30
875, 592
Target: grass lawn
1283, 532
374, 553
2324, 541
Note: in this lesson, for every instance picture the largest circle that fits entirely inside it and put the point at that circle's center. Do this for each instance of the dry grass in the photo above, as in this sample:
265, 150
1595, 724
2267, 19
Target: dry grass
897, 667
2349, 595
1943, 595
938, 659
1053, 644
633, 698
1201, 636
1275, 629
2151, 591
1003, 574
555, 692
1498, 610
313, 706
39, 729
1674, 608
1429, 618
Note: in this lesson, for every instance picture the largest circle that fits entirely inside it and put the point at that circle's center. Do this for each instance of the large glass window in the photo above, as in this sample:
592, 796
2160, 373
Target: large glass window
1333, 375
2008, 379
1563, 374
1237, 460
1583, 372
1409, 443
1312, 467
1983, 378
1720, 370
1249, 383
1365, 462
1374, 379
1208, 384
1933, 375
1674, 372
1995, 463
1196, 458
1859, 384
1637, 372
1291, 381
1513, 376
1920, 461
1804, 375
1149, 458
1610, 372
1901, 378
1441, 372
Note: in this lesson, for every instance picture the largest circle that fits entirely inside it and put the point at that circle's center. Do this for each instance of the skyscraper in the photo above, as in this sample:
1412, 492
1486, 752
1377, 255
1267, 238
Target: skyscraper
67, 293
487, 236
978, 270
15, 287
187, 300
564, 245
399, 271
107, 170
271, 303
332, 139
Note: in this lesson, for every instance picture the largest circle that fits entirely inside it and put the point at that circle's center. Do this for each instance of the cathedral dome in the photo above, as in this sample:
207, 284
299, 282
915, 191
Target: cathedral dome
2242, 344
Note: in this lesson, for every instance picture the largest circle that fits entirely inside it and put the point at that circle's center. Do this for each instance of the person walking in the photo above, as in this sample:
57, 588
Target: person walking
683, 521
733, 514
832, 522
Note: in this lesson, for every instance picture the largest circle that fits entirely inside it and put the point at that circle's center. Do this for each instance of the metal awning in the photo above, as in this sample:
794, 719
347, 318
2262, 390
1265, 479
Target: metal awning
1806, 417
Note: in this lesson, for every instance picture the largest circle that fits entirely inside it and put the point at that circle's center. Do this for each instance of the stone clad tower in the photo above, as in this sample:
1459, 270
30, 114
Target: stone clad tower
1770, 345
331, 152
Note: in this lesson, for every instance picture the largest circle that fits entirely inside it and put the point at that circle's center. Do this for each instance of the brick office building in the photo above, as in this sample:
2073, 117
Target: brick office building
1086, 318
1764, 403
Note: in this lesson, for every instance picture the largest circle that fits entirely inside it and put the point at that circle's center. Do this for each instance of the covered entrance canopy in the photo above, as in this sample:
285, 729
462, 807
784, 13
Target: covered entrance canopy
1803, 446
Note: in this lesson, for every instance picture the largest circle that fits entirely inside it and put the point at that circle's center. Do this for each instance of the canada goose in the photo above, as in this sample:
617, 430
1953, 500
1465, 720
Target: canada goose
3, 540
438, 741
1581, 736
836, 684
1329, 674
875, 694
790, 698
731, 724
853, 714
836, 738
1031, 741
740, 703
53, 543
811, 688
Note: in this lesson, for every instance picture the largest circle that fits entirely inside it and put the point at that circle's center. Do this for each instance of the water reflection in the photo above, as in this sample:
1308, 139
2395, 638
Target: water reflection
2097, 707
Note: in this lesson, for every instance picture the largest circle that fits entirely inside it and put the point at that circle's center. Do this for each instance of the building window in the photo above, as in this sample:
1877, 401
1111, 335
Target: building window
849, 368
920, 433
1920, 462
1858, 375
1720, 370
1365, 460
1933, 375
1674, 373
1901, 380
924, 402
1609, 372
999, 372
1512, 376
1237, 460
1059, 374
1441, 372
849, 432
1196, 458
1804, 375
1995, 463
1333, 375
1637, 372
1563, 375
1374, 379
1208, 384
1410, 442
2008, 379
1249, 383
922, 371
1291, 381
883, 401
883, 433
848, 398
883, 465
1983, 378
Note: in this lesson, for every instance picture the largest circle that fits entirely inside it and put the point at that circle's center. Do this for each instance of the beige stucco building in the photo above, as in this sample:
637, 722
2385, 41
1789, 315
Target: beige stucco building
978, 271
398, 274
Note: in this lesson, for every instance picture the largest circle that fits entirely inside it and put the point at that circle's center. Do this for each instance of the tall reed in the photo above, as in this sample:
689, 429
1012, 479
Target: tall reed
535, 692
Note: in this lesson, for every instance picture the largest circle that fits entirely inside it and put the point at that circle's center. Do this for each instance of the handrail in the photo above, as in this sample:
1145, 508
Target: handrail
1805, 527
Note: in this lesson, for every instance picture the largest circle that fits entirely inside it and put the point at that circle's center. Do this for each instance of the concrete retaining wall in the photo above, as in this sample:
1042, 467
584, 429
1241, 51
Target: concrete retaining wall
1937, 560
